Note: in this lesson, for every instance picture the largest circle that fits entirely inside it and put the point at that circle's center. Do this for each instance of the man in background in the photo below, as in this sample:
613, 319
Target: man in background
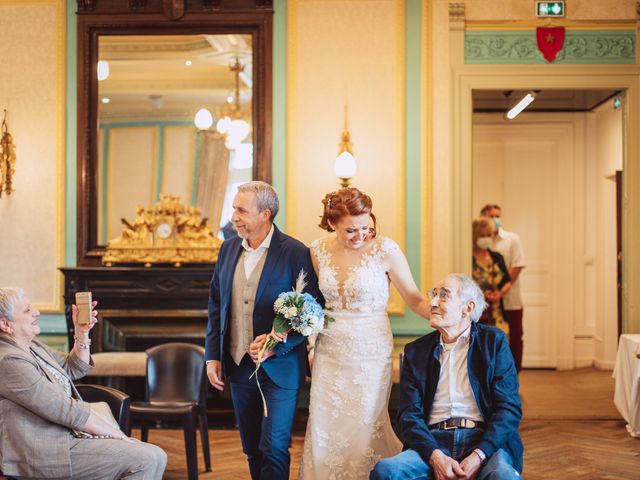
508, 245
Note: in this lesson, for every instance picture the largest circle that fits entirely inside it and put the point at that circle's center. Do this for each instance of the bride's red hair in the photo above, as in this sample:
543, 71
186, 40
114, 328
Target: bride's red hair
346, 202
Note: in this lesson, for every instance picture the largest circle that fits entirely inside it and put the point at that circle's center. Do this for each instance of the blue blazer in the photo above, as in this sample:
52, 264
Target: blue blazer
494, 382
286, 257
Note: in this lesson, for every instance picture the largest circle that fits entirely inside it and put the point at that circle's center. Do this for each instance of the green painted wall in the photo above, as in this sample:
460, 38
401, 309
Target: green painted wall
579, 47
412, 324
280, 106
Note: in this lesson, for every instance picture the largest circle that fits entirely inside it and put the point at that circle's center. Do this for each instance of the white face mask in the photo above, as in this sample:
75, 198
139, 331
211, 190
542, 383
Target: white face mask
484, 242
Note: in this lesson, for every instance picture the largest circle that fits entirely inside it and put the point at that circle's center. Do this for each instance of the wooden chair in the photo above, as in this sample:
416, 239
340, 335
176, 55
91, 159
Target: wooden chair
176, 386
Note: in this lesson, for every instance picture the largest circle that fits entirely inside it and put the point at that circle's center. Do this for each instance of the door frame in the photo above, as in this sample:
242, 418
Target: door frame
467, 78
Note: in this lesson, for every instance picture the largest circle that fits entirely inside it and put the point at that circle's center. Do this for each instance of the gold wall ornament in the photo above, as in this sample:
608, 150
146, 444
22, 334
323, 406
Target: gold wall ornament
7, 158
168, 232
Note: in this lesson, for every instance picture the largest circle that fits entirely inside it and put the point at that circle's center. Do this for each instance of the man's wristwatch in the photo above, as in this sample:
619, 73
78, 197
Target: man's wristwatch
482, 456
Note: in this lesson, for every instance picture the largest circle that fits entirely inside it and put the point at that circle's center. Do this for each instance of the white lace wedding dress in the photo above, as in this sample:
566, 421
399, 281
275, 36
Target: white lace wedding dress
349, 428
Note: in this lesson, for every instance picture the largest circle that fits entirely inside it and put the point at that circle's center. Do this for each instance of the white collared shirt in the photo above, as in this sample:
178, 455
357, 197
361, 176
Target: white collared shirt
454, 397
509, 246
253, 255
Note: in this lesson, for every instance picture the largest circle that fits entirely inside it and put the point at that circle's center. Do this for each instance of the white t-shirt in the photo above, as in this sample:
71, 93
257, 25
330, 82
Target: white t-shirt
508, 245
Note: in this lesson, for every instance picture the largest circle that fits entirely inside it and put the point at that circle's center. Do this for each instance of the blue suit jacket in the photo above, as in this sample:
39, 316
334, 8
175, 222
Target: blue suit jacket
286, 257
494, 382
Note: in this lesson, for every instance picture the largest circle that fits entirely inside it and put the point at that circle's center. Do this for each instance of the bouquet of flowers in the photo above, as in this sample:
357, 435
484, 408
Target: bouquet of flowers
295, 311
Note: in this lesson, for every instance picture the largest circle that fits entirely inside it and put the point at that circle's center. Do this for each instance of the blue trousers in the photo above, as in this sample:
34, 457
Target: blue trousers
457, 444
265, 440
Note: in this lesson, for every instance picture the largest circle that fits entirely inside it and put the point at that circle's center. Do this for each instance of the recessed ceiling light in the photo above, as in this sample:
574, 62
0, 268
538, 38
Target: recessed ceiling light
106, 99
188, 63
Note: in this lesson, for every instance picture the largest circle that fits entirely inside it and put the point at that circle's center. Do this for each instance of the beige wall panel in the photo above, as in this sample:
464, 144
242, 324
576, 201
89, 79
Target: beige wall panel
440, 243
349, 51
32, 90
179, 144
525, 10
131, 174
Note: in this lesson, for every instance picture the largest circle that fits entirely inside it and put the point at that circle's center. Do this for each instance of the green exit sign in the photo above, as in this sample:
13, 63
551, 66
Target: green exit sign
549, 9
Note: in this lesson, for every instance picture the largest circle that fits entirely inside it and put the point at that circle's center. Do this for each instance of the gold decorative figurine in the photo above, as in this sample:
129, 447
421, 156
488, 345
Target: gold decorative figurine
165, 233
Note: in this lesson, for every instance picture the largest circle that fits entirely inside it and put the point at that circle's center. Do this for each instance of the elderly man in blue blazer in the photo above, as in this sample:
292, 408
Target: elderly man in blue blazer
252, 270
459, 408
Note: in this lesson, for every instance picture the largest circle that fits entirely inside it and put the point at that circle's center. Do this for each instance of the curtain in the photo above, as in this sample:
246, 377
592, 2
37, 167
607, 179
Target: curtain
212, 176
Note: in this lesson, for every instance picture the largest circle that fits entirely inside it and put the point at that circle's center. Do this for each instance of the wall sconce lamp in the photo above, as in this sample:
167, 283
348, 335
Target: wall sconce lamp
7, 159
345, 165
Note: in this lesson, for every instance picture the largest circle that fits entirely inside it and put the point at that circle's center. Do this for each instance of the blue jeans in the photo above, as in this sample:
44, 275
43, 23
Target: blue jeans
458, 444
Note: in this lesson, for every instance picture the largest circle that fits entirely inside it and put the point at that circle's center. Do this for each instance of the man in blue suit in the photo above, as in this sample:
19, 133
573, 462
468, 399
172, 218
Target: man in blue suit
252, 270
459, 408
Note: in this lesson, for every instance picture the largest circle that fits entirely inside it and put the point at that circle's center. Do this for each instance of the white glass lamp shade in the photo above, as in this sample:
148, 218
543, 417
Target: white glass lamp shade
243, 156
238, 131
345, 165
103, 70
223, 125
203, 119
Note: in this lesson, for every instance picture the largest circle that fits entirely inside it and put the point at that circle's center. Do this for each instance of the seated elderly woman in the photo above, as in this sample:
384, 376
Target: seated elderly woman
46, 429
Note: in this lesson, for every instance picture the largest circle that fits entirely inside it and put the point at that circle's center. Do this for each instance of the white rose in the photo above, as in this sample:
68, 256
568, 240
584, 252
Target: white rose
291, 312
306, 331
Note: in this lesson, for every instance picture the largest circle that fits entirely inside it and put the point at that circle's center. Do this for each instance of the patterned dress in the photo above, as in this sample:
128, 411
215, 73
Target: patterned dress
349, 429
493, 277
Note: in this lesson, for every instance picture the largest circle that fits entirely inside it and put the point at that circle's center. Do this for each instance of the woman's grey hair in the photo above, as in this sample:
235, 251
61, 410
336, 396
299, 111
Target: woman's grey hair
9, 299
470, 291
266, 196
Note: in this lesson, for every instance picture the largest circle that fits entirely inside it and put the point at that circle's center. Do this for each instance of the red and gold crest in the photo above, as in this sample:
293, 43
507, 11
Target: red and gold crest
550, 41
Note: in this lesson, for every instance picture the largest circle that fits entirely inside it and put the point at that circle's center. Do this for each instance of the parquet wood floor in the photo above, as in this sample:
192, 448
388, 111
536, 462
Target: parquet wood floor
570, 430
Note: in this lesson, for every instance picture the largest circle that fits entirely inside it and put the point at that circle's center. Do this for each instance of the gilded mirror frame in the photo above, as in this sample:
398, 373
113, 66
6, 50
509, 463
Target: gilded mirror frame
161, 17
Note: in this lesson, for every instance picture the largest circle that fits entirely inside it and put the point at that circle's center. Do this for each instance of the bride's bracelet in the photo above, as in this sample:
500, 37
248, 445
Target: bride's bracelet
81, 344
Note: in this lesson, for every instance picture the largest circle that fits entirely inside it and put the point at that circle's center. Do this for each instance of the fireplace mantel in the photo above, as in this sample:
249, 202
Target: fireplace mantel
150, 305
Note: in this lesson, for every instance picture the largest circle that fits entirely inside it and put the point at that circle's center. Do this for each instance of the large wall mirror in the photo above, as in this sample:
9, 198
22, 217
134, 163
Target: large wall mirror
179, 106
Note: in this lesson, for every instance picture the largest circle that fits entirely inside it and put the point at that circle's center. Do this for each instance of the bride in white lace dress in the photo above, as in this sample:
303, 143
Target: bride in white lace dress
349, 429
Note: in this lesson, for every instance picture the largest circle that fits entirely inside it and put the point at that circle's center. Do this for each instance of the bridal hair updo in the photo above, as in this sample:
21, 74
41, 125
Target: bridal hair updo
344, 203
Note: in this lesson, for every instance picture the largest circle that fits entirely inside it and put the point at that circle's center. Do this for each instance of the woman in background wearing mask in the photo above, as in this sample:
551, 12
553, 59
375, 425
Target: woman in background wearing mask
490, 272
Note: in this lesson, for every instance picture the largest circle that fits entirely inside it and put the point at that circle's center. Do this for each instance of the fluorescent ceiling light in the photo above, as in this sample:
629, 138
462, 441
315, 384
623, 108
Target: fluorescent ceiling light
522, 104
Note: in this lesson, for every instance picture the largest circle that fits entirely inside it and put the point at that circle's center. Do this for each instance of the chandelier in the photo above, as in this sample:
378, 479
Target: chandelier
231, 121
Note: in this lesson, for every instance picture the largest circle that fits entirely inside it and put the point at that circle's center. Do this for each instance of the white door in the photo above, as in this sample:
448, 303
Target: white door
528, 169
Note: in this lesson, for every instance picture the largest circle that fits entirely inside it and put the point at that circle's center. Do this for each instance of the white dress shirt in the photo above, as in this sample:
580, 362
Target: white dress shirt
253, 255
454, 397
509, 246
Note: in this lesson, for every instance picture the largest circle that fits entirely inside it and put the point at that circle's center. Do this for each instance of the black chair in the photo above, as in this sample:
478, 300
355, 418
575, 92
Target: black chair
176, 392
119, 402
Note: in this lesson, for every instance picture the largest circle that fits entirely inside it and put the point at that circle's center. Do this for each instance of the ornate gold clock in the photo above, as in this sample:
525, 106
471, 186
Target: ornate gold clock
168, 232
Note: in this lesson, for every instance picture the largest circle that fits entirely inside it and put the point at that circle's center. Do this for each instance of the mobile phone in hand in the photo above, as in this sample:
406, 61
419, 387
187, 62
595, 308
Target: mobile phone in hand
83, 302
